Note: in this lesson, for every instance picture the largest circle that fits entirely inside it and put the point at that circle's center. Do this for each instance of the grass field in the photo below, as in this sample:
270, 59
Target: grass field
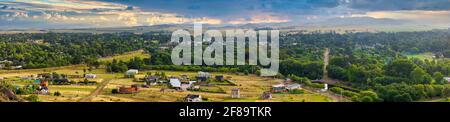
126, 56
422, 56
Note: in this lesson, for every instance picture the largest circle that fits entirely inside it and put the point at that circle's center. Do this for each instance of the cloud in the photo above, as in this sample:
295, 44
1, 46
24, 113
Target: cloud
113, 13
94, 13
384, 5
258, 20
418, 16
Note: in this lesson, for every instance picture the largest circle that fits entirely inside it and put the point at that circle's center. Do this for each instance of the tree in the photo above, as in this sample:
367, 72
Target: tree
439, 78
400, 68
405, 97
32, 98
419, 76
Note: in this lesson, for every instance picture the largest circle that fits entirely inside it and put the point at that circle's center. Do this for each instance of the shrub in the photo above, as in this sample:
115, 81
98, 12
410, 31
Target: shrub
296, 91
32, 98
114, 91
57, 93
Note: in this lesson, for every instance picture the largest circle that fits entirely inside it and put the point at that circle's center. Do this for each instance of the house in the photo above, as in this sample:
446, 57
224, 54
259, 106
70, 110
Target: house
90, 76
235, 93
288, 80
292, 86
151, 80
219, 77
266, 95
278, 88
185, 86
43, 86
202, 76
131, 72
45, 76
128, 90
447, 79
175, 83
192, 98
192, 82
196, 87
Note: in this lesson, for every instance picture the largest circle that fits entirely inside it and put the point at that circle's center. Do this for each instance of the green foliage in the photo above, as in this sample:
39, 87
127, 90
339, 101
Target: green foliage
311, 70
32, 98
400, 68
57, 93
114, 91
439, 78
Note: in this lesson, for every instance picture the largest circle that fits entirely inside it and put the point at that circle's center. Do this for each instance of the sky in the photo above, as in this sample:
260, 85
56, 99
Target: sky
48, 14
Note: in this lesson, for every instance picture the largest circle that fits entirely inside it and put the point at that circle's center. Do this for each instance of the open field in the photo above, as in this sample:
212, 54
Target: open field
126, 56
250, 86
422, 56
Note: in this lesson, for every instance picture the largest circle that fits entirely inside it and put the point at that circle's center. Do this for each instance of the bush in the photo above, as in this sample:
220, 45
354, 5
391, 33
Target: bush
24, 91
366, 99
317, 85
296, 91
57, 93
114, 91
350, 94
32, 98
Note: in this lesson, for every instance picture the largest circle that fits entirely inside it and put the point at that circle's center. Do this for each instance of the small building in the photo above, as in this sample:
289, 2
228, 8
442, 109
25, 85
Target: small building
196, 87
325, 88
185, 86
131, 72
219, 77
278, 88
192, 98
128, 90
202, 76
175, 83
90, 76
151, 80
266, 95
292, 86
235, 93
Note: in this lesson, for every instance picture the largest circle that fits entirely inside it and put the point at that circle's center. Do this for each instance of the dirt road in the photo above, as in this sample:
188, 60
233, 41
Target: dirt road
97, 91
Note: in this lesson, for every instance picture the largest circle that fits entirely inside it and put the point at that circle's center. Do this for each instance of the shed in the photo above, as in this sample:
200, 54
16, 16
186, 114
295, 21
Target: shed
90, 76
235, 93
175, 83
132, 72
192, 98
293, 86
278, 88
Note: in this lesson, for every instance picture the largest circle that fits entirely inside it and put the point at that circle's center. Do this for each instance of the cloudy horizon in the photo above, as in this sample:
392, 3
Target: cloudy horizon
46, 14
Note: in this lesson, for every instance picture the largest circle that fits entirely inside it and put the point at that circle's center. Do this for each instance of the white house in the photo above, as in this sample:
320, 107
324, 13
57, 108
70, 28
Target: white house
132, 72
175, 83
293, 86
193, 98
91, 76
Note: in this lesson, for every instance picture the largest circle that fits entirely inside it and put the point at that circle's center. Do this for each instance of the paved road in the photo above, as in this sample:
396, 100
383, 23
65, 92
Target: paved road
97, 91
